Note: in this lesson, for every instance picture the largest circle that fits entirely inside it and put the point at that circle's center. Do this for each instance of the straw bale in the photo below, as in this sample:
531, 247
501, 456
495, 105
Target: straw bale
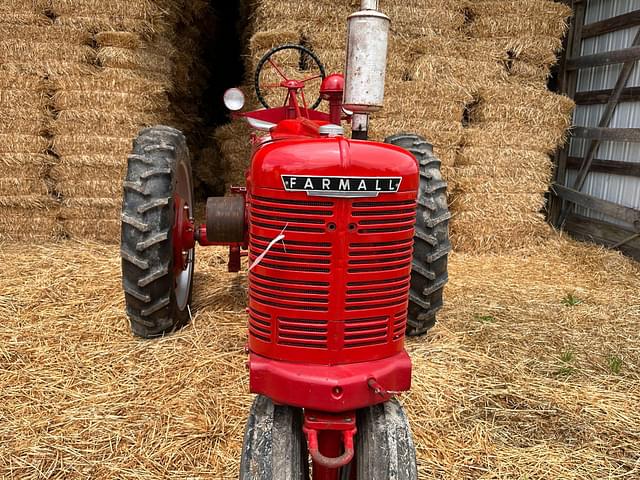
13, 185
19, 143
503, 159
92, 207
111, 80
21, 98
27, 224
47, 53
533, 49
437, 101
100, 23
478, 233
518, 18
300, 16
463, 73
117, 123
538, 173
22, 6
104, 100
81, 187
497, 204
116, 57
94, 167
47, 67
128, 40
22, 18
524, 72
530, 182
42, 203
24, 121
43, 34
518, 104
91, 217
85, 144
492, 179
25, 165
417, 20
139, 16
99, 229
501, 135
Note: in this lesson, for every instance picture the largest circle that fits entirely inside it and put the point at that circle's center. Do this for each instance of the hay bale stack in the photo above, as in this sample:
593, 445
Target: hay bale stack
81, 78
27, 210
470, 76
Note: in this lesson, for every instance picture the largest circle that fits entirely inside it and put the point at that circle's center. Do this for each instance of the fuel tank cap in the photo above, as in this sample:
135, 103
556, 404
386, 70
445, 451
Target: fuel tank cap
331, 130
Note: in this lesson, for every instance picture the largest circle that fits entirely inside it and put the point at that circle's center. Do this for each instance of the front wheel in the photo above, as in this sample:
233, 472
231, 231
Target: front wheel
384, 445
431, 244
157, 270
274, 447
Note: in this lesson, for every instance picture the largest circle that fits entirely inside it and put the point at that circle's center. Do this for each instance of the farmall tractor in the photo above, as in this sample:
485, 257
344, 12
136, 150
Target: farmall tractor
340, 265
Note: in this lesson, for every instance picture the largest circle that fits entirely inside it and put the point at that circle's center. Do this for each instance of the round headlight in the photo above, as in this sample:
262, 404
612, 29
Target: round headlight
234, 99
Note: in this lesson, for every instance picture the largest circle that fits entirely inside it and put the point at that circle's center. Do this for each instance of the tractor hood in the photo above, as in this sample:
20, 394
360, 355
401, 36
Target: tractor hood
333, 164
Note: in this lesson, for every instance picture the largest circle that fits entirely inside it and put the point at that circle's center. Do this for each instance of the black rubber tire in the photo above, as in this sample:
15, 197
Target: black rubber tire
431, 242
148, 219
274, 446
384, 444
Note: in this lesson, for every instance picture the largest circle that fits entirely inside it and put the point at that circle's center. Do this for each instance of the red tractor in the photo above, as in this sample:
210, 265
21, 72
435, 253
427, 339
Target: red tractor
340, 264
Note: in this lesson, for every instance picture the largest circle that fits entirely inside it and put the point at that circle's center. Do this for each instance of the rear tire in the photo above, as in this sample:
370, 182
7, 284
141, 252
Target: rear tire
431, 242
157, 298
274, 446
384, 444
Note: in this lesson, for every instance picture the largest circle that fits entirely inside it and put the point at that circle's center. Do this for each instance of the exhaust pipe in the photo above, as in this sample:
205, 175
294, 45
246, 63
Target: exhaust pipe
366, 65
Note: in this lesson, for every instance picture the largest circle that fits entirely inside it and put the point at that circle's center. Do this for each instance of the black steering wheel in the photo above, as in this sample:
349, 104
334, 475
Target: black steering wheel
305, 54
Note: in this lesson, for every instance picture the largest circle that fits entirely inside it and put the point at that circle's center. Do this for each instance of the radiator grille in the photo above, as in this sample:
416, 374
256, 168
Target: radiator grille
339, 280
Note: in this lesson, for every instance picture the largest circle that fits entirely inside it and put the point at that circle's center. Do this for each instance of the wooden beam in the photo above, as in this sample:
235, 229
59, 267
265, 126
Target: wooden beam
603, 134
630, 54
598, 97
568, 81
615, 167
626, 20
603, 233
625, 214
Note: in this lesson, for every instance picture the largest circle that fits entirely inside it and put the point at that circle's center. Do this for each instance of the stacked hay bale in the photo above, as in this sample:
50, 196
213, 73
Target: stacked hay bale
26, 208
503, 169
470, 76
144, 53
103, 70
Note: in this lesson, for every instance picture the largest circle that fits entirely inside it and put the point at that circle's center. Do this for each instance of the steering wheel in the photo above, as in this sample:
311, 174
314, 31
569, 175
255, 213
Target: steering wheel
305, 54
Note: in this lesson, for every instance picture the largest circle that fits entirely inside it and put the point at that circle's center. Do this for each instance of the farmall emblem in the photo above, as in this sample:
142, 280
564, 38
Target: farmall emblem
348, 187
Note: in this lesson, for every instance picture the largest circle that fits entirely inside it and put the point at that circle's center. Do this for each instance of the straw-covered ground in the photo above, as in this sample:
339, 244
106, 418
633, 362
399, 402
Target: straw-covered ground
532, 372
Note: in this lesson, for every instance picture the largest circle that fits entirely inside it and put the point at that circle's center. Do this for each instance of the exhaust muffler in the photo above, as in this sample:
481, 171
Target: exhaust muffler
366, 64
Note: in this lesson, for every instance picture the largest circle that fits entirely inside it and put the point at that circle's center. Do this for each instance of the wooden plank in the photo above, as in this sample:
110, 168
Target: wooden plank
630, 54
625, 214
607, 134
603, 233
612, 24
598, 97
568, 84
607, 166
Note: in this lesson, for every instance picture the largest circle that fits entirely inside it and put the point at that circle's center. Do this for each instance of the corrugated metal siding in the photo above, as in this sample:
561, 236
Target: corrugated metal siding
616, 188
